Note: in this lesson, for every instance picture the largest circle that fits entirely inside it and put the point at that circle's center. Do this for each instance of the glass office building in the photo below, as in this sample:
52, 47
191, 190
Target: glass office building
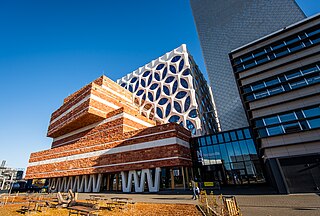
229, 158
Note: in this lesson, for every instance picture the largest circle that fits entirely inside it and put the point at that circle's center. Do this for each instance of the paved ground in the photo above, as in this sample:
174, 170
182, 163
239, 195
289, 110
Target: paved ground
255, 205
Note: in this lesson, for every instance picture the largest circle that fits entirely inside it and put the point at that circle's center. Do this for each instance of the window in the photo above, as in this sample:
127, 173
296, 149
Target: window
276, 90
293, 75
220, 138
296, 47
226, 137
287, 117
311, 112
314, 79
257, 86
240, 134
314, 123
271, 120
292, 127
309, 70
298, 84
272, 82
261, 94
282, 52
274, 130
247, 133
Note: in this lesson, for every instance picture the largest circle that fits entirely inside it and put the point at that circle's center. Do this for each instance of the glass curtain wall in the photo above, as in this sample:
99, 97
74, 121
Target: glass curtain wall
228, 158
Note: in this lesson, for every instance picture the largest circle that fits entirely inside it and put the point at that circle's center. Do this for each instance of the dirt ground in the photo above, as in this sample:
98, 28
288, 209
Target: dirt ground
135, 209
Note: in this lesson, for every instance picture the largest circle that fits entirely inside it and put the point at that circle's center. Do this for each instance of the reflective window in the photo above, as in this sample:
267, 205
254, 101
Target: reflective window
272, 82
287, 117
311, 112
271, 120
220, 138
226, 137
291, 127
314, 123
193, 113
298, 84
275, 130
240, 135
233, 136
247, 133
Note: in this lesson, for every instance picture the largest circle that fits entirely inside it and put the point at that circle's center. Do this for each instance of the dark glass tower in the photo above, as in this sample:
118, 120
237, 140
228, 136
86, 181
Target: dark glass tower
224, 25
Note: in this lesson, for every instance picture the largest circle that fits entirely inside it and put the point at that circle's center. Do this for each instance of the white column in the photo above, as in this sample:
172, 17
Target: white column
97, 184
154, 185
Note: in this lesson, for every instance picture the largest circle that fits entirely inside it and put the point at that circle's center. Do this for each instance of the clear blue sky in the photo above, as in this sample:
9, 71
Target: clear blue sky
49, 49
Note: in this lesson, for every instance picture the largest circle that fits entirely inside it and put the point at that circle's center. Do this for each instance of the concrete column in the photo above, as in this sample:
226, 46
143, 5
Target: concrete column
183, 178
187, 176
108, 182
172, 179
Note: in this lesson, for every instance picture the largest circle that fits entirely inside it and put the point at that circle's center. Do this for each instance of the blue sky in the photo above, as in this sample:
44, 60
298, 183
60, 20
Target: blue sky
49, 49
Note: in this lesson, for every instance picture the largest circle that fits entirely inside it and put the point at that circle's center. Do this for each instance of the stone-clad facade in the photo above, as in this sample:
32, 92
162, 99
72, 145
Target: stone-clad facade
100, 142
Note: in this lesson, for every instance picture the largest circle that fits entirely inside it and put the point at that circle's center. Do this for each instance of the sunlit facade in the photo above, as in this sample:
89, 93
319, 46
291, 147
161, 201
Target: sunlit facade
172, 89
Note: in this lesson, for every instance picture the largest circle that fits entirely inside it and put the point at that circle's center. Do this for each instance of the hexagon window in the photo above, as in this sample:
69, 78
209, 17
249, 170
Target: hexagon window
181, 94
187, 104
162, 101
130, 88
191, 127
175, 59
166, 90
154, 86
144, 97
149, 80
143, 83
160, 66
164, 73
173, 69
181, 123
150, 96
123, 84
177, 106
133, 79
140, 92
193, 113
175, 87
158, 93
168, 109
137, 85
169, 79
159, 112
157, 76
174, 118
181, 64
145, 74
186, 72
184, 83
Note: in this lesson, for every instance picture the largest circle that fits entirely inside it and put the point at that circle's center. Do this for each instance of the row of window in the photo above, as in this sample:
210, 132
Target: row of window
290, 122
285, 87
224, 137
309, 69
278, 49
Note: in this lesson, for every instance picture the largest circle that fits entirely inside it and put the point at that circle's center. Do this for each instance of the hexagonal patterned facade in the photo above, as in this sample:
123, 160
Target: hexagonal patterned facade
172, 89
